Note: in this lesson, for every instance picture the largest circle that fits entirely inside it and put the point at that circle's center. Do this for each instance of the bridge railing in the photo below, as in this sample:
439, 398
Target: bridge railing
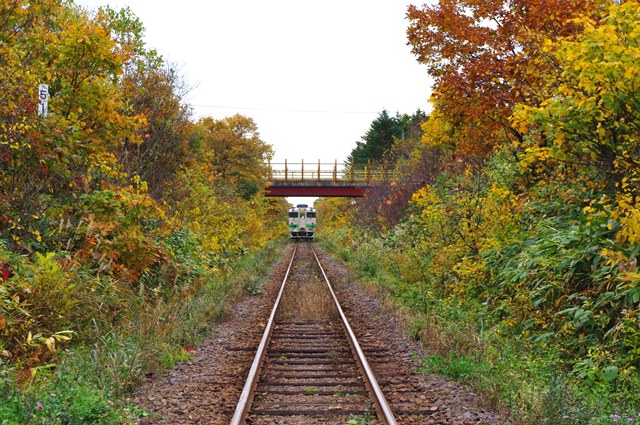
312, 171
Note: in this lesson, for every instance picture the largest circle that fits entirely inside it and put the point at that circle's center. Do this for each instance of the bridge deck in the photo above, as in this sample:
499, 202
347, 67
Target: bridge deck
324, 179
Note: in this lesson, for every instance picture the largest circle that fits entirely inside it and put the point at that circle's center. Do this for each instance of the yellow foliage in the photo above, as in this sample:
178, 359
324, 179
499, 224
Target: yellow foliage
437, 131
627, 212
333, 213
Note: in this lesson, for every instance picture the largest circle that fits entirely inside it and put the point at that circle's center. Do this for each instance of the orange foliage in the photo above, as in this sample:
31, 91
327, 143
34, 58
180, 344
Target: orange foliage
486, 57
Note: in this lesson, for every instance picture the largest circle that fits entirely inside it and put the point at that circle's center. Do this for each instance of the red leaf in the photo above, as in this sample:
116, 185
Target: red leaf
6, 273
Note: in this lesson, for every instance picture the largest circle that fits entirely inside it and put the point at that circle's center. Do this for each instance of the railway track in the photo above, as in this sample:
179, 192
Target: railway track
309, 367
306, 372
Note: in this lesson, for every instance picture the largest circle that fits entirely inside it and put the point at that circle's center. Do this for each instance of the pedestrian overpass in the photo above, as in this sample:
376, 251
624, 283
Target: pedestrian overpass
324, 179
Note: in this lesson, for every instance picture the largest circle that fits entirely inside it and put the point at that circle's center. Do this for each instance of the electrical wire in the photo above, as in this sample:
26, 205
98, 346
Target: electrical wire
307, 111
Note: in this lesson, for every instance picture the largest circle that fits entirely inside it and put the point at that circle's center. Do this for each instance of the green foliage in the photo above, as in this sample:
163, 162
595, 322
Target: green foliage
457, 367
558, 285
382, 134
91, 381
364, 420
40, 306
63, 399
169, 359
505, 271
528, 378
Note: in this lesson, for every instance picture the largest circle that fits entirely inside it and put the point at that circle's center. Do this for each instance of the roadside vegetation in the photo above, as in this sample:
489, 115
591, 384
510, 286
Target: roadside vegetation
510, 238
122, 218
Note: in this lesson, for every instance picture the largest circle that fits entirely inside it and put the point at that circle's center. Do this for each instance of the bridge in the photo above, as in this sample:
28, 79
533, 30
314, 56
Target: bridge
324, 179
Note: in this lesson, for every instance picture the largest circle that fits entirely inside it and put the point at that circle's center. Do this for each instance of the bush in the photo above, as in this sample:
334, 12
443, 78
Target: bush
527, 327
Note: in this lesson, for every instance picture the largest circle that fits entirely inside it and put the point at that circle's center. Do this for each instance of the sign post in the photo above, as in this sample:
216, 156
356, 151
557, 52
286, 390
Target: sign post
43, 95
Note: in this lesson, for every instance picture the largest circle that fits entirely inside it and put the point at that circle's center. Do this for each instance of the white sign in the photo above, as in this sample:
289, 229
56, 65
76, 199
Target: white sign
43, 96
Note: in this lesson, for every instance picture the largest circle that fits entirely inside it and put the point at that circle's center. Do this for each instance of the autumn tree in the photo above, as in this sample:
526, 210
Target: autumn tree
85, 250
486, 57
45, 157
588, 127
218, 194
154, 89
234, 149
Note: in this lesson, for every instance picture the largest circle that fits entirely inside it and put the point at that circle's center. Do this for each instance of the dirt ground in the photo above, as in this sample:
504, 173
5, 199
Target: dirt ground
205, 389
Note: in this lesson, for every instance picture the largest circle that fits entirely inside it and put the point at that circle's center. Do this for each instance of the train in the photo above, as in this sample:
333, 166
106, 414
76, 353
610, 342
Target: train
302, 222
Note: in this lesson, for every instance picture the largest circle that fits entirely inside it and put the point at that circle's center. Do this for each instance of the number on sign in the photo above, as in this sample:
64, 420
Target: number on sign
43, 94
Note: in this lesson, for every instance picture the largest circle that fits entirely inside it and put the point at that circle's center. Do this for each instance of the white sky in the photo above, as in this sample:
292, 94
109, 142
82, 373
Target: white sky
312, 75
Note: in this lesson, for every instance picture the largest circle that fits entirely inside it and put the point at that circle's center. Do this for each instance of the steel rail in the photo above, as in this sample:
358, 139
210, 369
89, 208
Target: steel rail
246, 397
370, 380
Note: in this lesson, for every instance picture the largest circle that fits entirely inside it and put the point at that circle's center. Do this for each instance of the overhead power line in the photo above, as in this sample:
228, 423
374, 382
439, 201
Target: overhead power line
307, 111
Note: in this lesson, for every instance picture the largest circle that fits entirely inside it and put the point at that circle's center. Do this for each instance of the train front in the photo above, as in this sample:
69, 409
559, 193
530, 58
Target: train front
302, 222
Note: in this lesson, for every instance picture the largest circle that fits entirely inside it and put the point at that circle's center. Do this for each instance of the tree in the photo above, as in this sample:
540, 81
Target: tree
45, 158
233, 147
396, 143
382, 133
589, 124
155, 90
486, 57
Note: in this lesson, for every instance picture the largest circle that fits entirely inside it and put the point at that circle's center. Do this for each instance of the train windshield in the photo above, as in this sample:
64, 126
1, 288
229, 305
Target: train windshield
311, 214
293, 214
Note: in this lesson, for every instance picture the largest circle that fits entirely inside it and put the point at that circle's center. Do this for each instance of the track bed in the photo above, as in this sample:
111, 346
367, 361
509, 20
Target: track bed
308, 376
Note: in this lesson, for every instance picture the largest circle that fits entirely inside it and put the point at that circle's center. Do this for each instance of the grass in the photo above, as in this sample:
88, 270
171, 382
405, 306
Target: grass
64, 398
364, 420
306, 300
90, 383
527, 384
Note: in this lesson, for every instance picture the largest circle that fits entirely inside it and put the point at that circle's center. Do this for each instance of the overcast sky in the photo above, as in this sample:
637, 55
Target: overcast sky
312, 75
